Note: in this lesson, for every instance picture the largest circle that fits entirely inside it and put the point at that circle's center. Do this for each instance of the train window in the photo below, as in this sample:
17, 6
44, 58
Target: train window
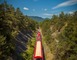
38, 59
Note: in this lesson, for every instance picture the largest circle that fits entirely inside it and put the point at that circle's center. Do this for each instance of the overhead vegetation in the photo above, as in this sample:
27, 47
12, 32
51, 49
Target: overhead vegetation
61, 35
11, 22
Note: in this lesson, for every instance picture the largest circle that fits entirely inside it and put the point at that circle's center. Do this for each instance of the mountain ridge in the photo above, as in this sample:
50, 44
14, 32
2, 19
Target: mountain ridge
37, 18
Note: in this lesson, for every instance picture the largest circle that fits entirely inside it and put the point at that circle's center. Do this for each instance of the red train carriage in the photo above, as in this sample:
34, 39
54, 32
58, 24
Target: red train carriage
38, 50
38, 37
38, 53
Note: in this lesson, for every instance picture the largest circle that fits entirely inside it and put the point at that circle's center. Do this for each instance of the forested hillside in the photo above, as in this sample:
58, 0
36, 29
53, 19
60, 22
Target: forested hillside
36, 18
60, 34
16, 30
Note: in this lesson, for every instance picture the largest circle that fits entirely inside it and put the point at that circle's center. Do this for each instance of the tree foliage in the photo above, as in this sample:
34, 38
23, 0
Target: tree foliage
11, 22
63, 28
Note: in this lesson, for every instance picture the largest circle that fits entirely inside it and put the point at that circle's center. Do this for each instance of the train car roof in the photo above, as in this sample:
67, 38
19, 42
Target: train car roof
38, 50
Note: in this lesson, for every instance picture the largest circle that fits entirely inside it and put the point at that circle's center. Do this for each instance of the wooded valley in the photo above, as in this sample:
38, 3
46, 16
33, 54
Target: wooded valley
18, 34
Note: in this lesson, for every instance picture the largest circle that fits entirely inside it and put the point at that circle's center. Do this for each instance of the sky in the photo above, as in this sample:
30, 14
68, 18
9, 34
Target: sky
44, 8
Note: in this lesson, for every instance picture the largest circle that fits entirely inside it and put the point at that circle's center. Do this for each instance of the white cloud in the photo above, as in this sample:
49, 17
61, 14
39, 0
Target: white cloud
71, 12
25, 8
47, 14
45, 9
33, 9
66, 3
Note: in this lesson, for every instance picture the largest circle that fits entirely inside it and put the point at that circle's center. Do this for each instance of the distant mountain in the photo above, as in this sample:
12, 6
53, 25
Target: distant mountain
39, 19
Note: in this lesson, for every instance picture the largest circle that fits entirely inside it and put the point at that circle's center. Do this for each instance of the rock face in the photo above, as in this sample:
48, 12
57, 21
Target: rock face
22, 39
20, 44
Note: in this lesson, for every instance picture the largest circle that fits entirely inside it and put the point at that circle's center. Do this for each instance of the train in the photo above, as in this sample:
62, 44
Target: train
38, 49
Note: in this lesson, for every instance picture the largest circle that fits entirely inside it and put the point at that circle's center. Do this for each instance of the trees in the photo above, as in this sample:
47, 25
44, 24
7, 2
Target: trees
65, 28
11, 22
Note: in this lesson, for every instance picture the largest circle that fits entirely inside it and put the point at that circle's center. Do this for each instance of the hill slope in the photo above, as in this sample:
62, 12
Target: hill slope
39, 19
60, 34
